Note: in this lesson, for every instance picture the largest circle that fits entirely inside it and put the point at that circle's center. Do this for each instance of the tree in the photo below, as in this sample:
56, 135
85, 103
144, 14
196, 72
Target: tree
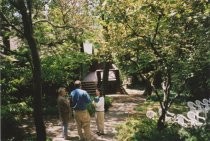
61, 35
56, 31
151, 37
24, 13
104, 52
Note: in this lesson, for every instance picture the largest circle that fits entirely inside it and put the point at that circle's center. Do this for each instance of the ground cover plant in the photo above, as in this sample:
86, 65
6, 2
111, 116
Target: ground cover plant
141, 128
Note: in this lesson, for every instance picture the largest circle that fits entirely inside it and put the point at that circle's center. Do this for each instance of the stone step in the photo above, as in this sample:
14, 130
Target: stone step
89, 86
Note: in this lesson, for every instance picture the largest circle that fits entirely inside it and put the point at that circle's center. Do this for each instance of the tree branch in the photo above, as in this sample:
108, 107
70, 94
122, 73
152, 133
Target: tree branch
52, 24
13, 26
144, 37
13, 52
159, 98
154, 37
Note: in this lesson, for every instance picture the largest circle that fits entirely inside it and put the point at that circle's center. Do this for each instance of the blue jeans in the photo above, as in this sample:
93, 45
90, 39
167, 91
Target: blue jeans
65, 129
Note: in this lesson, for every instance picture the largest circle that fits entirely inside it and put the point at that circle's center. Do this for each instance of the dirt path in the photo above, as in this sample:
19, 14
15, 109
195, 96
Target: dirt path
122, 107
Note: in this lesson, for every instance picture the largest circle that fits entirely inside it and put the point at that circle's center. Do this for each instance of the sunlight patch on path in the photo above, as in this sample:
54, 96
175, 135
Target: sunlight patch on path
123, 107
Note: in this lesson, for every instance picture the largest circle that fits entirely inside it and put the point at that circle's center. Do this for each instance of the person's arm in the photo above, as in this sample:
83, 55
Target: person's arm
73, 98
88, 99
71, 105
63, 105
100, 102
70, 100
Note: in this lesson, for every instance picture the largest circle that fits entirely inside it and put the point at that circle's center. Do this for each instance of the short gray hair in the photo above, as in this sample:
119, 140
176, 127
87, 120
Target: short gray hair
77, 83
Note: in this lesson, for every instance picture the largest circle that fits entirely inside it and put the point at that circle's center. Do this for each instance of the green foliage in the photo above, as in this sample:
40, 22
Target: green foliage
127, 131
143, 36
194, 134
16, 109
14, 106
50, 106
108, 103
13, 76
165, 36
91, 109
63, 68
11, 115
146, 130
50, 110
10, 127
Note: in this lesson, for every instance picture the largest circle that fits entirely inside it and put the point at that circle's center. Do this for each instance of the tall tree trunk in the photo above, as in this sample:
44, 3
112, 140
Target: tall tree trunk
37, 91
161, 120
166, 86
105, 78
6, 43
117, 75
25, 11
148, 86
81, 66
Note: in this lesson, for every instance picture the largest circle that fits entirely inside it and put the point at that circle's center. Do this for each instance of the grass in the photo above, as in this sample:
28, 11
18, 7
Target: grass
143, 128
152, 103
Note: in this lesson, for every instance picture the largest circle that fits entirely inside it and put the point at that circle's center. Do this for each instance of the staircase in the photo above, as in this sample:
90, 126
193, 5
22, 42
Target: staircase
89, 86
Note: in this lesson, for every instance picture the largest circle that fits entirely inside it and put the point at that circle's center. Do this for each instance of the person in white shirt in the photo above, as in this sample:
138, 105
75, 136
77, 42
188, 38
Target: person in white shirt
98, 102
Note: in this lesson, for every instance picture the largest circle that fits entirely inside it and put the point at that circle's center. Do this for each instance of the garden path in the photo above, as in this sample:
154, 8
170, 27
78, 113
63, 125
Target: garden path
123, 106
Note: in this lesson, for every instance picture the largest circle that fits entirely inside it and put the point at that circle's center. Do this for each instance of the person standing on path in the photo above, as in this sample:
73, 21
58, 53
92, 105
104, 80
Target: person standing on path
80, 99
98, 102
64, 111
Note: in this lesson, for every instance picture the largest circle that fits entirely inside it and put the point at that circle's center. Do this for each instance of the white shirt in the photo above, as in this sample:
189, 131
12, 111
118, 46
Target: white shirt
99, 105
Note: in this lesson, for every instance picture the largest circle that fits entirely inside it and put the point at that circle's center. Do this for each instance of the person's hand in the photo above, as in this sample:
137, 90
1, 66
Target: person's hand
94, 104
96, 99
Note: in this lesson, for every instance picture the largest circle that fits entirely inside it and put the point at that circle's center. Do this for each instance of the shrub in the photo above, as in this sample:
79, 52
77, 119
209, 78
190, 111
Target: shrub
108, 103
12, 111
91, 109
10, 119
50, 105
145, 130
127, 130
194, 134
10, 128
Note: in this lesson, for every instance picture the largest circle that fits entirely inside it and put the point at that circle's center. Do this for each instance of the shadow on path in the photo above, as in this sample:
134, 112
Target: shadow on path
122, 108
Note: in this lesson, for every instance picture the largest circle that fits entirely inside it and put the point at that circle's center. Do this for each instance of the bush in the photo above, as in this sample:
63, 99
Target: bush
11, 114
194, 134
91, 109
51, 110
108, 103
10, 128
10, 119
145, 130
127, 130
50, 105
